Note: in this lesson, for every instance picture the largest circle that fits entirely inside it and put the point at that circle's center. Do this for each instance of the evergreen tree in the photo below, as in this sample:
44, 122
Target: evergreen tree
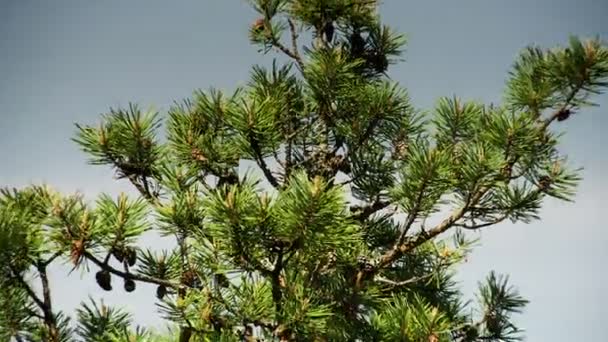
349, 221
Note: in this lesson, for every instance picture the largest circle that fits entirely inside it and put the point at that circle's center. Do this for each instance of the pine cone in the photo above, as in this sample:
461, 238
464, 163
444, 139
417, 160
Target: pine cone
131, 256
328, 30
544, 183
118, 253
104, 280
129, 285
563, 115
357, 45
471, 333
221, 280
161, 291
188, 278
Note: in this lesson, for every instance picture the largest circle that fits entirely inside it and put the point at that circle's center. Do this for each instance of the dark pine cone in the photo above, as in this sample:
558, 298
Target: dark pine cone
118, 253
563, 115
357, 45
161, 291
131, 256
129, 285
104, 280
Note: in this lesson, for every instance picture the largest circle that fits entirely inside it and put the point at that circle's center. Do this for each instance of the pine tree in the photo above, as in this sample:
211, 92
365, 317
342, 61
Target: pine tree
354, 210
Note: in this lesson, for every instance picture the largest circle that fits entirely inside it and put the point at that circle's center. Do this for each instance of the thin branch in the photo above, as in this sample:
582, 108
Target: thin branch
482, 225
367, 211
27, 289
34, 313
262, 163
294, 43
398, 250
151, 197
411, 216
143, 190
564, 107
132, 276
267, 173
52, 258
46, 290
49, 316
276, 43
276, 282
403, 282
362, 139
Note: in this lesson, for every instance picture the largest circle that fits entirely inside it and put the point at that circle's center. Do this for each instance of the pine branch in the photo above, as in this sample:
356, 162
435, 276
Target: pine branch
403, 282
369, 210
139, 277
482, 225
27, 288
423, 236
49, 316
259, 158
52, 258
144, 190
277, 282
411, 216
564, 107
292, 54
398, 250
294, 43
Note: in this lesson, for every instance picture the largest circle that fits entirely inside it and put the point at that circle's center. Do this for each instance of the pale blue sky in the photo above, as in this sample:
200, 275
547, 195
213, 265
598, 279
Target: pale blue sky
66, 61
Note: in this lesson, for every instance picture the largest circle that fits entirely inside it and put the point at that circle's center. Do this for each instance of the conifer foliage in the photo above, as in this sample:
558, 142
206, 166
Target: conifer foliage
315, 203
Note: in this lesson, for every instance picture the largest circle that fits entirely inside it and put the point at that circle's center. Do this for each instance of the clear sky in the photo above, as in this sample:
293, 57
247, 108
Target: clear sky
67, 61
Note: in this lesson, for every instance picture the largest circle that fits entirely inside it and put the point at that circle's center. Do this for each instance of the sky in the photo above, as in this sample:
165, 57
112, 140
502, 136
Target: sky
68, 61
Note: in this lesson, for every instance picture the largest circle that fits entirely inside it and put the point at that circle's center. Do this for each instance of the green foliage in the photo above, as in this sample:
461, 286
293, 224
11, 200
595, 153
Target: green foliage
97, 323
548, 79
499, 301
401, 320
122, 219
327, 237
15, 310
125, 139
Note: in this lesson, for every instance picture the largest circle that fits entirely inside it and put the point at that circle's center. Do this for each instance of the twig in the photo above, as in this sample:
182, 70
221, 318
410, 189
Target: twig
404, 282
369, 210
52, 258
481, 225
27, 288
259, 158
411, 216
294, 43
276, 43
49, 316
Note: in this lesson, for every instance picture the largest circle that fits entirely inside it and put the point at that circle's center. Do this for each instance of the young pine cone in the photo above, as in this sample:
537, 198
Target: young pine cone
544, 183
